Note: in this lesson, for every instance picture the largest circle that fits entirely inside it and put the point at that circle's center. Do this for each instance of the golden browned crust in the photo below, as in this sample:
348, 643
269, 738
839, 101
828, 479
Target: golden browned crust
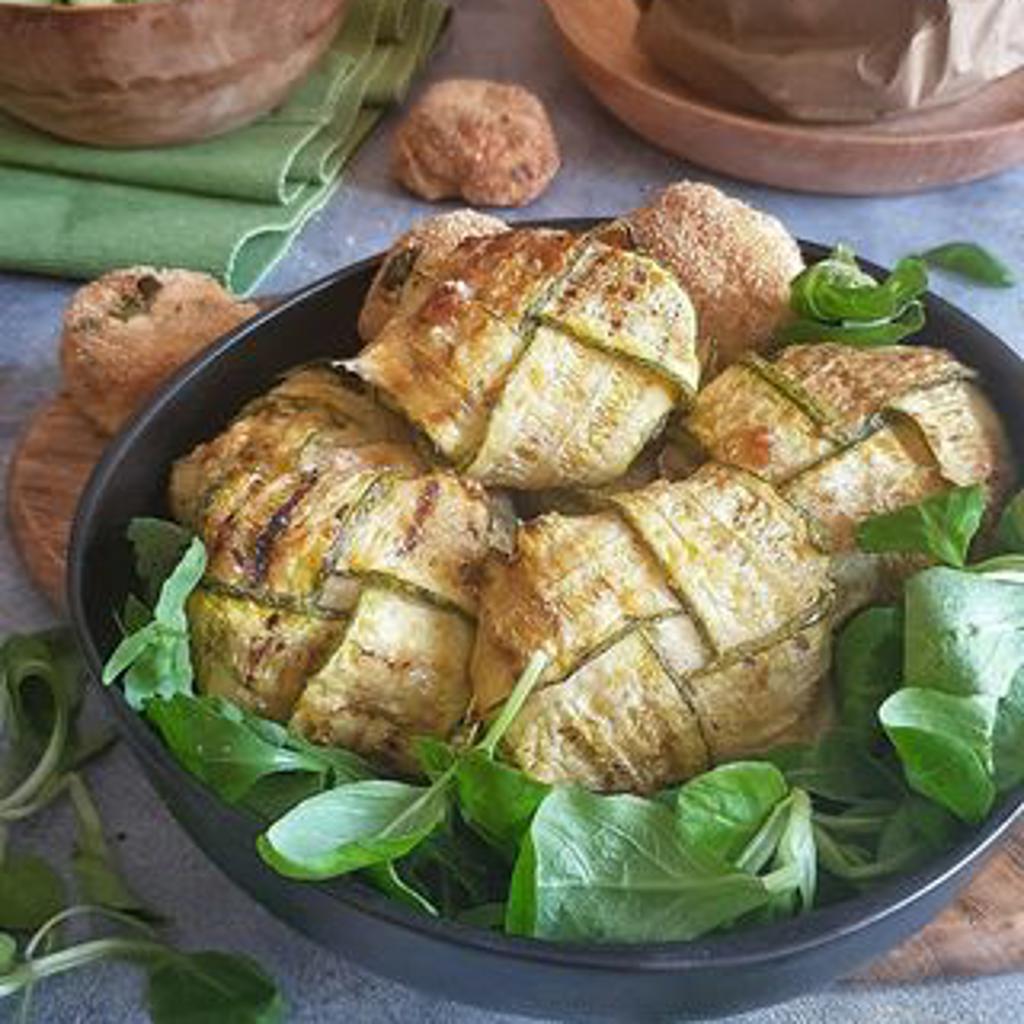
129, 329
735, 262
423, 247
489, 142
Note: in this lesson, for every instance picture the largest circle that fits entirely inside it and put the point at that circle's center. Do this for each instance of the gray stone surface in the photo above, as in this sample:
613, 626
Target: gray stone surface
606, 170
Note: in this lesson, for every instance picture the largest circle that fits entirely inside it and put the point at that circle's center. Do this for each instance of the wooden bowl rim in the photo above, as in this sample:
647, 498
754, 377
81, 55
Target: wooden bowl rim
748, 123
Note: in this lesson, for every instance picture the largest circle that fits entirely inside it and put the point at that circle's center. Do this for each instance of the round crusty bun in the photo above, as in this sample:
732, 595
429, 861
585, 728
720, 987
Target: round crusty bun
735, 262
128, 330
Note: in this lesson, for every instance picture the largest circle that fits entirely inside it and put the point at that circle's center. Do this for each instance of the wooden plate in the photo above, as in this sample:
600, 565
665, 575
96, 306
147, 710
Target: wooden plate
962, 142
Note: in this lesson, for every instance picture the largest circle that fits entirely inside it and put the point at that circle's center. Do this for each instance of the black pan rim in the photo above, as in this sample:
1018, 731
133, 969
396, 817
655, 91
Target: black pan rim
761, 945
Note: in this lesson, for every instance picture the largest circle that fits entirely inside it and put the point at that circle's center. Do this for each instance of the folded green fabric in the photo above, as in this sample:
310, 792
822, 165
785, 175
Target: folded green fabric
230, 205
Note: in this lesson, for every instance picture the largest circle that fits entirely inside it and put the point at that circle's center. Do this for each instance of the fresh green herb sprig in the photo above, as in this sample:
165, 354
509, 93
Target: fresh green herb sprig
834, 300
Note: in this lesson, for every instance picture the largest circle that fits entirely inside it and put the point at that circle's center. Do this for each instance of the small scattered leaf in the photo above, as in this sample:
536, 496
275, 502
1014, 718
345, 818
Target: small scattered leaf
970, 260
31, 892
212, 988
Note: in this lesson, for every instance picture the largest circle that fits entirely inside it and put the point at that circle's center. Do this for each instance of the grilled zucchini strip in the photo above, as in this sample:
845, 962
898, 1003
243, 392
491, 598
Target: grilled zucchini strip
647, 608
535, 359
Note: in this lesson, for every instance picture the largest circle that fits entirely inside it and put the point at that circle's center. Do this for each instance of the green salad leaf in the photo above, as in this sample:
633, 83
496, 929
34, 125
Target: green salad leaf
722, 810
868, 667
942, 526
1010, 533
834, 300
231, 751
158, 545
352, 827
970, 260
1008, 737
945, 743
964, 632
155, 658
614, 868
497, 800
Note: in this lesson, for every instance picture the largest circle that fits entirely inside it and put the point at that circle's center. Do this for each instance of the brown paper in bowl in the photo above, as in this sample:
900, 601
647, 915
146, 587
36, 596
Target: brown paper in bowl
834, 60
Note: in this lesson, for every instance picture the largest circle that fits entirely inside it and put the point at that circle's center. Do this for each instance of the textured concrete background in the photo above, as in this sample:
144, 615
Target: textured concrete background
606, 170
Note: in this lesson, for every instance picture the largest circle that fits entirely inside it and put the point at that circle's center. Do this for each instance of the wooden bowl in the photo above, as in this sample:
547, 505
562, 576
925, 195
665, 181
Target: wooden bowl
960, 142
157, 73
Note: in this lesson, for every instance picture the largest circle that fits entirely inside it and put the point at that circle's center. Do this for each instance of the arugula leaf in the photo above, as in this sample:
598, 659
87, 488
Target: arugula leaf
207, 986
571, 880
722, 810
158, 545
836, 301
352, 827
155, 659
970, 260
31, 892
963, 632
945, 744
942, 526
497, 800
868, 667
223, 751
1010, 532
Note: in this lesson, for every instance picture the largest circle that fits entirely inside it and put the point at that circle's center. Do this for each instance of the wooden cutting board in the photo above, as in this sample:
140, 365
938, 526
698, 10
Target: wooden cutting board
982, 932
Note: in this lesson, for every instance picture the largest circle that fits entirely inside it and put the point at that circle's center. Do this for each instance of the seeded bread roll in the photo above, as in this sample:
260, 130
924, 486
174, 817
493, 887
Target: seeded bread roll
735, 263
421, 249
125, 332
489, 142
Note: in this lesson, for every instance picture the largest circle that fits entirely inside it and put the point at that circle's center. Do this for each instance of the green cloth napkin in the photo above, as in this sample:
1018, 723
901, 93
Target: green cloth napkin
230, 206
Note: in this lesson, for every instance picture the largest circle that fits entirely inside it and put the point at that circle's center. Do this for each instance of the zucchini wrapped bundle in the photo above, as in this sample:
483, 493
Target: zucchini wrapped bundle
341, 585
846, 433
687, 623
536, 358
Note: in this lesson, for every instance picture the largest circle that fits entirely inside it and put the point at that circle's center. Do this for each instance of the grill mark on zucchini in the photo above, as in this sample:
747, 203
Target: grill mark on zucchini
263, 547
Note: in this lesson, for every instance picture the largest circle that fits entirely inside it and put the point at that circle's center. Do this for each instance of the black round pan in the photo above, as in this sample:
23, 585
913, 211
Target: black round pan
719, 975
